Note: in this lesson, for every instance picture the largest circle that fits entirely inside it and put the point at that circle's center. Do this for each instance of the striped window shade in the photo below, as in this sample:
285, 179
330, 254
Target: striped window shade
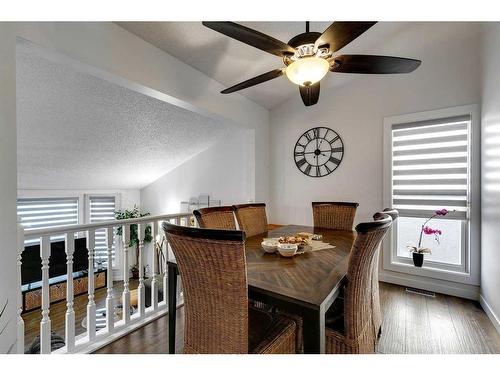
430, 166
41, 213
102, 208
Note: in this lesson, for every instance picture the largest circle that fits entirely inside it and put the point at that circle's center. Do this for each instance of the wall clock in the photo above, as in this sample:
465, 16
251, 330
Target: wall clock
318, 152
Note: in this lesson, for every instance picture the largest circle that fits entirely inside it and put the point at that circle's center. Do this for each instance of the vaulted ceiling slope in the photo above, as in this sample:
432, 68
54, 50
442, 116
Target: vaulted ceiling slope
76, 131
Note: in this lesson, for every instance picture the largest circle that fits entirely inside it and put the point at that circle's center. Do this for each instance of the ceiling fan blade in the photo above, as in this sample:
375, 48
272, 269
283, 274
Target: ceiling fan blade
252, 37
370, 64
254, 81
339, 34
310, 94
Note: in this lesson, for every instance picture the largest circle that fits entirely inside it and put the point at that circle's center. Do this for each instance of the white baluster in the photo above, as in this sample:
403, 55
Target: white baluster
91, 309
126, 291
141, 292
20, 321
70, 312
45, 324
154, 269
110, 307
165, 273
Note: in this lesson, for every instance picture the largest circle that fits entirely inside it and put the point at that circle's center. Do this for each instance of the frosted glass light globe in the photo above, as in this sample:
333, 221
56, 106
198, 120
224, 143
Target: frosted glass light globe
307, 71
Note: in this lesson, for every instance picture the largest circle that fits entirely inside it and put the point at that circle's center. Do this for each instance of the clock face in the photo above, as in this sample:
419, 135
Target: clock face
318, 152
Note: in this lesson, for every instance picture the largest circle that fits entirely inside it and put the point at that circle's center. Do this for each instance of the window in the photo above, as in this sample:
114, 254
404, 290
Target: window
38, 213
101, 208
428, 166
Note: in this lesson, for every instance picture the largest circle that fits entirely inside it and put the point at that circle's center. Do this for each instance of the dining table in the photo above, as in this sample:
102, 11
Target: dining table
305, 285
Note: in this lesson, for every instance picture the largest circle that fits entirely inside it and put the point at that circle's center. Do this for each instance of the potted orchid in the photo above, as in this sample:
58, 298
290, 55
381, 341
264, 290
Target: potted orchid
419, 251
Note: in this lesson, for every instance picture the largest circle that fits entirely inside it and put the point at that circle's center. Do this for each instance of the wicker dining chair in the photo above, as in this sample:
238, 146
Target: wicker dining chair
220, 217
251, 218
376, 311
349, 322
334, 215
218, 318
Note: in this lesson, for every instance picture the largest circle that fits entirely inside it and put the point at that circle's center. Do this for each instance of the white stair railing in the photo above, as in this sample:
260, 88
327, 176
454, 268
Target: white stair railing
93, 339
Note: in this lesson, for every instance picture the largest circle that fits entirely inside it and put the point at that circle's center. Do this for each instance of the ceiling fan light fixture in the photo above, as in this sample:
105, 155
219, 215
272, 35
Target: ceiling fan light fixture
307, 70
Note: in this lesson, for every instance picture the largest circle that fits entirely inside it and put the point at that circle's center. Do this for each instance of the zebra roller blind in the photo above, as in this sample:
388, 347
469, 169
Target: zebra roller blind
430, 166
101, 209
41, 213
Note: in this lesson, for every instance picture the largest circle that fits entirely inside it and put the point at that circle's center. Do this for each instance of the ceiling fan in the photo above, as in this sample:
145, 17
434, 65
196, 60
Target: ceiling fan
310, 55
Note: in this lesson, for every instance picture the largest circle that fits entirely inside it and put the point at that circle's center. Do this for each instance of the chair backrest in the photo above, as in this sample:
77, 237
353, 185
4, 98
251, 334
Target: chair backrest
334, 215
358, 292
251, 218
213, 272
392, 212
221, 217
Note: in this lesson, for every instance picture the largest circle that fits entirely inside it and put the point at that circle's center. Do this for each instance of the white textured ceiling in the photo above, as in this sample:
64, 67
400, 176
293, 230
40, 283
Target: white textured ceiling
77, 131
229, 61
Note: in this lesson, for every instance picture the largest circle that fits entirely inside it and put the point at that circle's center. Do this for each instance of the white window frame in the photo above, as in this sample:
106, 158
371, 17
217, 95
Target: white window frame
86, 217
469, 271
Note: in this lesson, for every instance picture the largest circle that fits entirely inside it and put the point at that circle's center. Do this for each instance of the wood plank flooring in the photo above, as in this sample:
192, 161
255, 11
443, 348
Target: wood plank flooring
412, 324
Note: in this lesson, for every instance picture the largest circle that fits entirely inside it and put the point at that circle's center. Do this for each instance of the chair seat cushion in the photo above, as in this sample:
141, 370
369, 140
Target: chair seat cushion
266, 330
334, 318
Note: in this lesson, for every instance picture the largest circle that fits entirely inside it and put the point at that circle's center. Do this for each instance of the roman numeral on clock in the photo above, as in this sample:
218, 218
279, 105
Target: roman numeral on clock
299, 153
308, 169
300, 162
334, 139
309, 138
337, 149
334, 160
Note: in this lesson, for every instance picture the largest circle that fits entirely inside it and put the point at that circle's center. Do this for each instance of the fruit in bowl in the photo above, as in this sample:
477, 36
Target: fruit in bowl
294, 240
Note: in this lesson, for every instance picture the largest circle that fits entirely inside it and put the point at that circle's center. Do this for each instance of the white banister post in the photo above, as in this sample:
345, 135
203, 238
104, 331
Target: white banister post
110, 308
154, 269
45, 325
20, 321
70, 312
165, 273
126, 291
141, 292
91, 309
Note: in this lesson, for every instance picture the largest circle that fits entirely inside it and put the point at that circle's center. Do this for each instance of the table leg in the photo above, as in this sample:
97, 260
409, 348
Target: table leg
172, 307
314, 332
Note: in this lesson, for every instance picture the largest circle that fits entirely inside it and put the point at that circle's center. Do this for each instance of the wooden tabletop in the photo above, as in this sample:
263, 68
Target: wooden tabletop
307, 279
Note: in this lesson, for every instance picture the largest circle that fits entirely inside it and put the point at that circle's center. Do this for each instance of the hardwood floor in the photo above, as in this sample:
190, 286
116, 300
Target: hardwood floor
412, 324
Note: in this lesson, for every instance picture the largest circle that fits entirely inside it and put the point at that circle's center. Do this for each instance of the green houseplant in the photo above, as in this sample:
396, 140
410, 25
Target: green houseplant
134, 237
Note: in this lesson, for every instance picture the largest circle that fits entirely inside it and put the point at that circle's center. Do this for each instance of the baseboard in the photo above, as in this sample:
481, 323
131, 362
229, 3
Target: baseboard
491, 314
433, 285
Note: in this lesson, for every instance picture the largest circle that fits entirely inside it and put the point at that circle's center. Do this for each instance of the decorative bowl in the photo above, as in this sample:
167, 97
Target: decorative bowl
287, 249
269, 246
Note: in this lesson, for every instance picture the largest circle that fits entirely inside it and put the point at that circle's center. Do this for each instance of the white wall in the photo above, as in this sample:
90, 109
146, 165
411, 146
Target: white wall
225, 171
449, 76
490, 177
114, 54
8, 185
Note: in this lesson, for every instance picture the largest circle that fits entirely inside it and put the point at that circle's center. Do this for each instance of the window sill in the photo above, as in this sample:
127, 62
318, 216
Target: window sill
431, 272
